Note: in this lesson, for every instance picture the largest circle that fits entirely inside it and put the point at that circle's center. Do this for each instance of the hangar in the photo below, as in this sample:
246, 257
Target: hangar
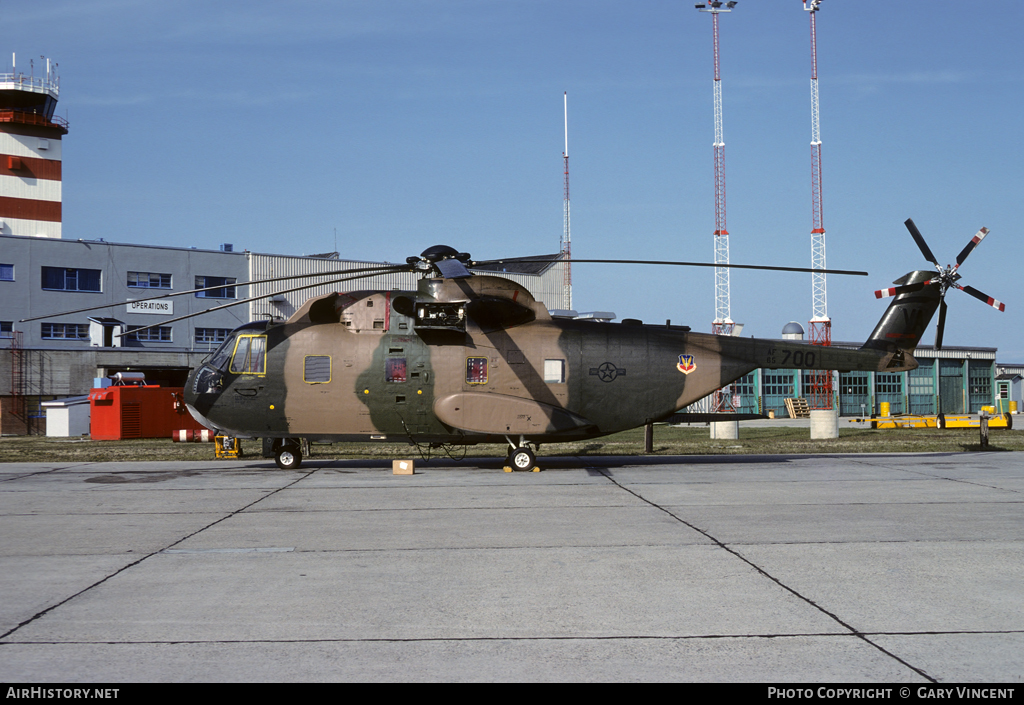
954, 380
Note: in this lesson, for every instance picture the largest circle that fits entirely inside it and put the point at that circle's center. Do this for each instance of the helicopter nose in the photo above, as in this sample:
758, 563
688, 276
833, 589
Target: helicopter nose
190, 385
200, 418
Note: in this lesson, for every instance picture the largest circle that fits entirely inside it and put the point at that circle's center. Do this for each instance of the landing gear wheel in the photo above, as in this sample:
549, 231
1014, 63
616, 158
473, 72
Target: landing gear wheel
522, 459
940, 421
288, 458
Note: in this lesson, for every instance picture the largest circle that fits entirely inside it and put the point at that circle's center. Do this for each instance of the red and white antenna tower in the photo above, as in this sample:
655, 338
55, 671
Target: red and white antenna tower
820, 393
723, 324
566, 244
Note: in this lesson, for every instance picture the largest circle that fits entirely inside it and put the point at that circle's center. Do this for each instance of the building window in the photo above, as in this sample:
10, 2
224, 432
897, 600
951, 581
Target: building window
65, 331
64, 279
6, 329
226, 288
160, 334
212, 335
779, 384
6, 272
148, 280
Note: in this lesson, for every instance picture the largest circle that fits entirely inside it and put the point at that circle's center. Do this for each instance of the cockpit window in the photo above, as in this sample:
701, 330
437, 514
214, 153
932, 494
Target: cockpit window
220, 357
250, 356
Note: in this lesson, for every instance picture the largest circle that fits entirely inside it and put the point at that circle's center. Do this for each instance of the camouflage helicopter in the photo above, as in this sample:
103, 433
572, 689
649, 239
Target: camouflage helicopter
470, 358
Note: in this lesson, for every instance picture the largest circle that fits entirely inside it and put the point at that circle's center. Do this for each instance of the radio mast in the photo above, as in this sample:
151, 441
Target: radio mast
723, 324
566, 245
819, 394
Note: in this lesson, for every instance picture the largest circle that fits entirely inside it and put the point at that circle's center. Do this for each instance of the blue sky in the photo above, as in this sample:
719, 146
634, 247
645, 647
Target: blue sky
404, 124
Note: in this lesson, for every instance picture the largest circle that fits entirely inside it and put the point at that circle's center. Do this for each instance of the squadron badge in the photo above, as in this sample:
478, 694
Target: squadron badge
686, 365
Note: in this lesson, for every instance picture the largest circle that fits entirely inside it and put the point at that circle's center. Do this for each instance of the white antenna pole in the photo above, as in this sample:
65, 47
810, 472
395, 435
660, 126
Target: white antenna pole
566, 98
566, 242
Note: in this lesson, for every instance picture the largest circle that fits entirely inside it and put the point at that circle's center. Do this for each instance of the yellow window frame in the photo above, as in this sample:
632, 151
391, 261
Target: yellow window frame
330, 370
247, 367
485, 370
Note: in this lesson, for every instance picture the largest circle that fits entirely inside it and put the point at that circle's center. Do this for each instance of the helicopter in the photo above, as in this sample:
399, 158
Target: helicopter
472, 358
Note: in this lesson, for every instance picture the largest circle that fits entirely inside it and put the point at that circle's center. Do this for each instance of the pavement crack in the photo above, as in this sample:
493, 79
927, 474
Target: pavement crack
158, 551
725, 547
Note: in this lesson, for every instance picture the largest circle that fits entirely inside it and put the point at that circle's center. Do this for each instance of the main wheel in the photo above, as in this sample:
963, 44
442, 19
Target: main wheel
288, 458
523, 459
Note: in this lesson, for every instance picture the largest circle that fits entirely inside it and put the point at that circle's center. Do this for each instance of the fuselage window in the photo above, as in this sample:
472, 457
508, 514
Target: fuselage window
554, 371
250, 356
395, 369
476, 370
317, 369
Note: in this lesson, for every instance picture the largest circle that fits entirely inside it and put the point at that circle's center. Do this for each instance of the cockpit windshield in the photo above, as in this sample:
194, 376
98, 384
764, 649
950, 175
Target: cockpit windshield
252, 364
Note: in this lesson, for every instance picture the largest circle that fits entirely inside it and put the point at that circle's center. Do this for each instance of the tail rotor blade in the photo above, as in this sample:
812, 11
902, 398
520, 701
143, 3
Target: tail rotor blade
942, 324
919, 239
894, 290
979, 236
994, 303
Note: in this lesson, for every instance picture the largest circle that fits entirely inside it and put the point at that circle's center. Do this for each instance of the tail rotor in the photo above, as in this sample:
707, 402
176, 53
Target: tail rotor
946, 278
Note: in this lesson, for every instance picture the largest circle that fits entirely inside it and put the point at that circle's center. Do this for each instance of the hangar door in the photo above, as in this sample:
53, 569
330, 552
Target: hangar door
854, 393
951, 387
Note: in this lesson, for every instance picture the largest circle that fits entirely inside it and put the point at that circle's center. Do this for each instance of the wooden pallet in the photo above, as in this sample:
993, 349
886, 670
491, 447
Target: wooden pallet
798, 409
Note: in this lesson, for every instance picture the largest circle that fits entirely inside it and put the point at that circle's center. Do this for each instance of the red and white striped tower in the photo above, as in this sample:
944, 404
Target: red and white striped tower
723, 323
819, 395
566, 245
30, 147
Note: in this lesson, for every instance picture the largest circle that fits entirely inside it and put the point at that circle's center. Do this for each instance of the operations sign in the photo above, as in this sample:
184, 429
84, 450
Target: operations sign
163, 308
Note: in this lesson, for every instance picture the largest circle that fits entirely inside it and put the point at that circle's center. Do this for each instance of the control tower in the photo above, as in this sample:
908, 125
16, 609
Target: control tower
30, 147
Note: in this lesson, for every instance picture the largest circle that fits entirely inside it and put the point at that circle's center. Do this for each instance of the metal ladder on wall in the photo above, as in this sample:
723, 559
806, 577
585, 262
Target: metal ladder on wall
18, 377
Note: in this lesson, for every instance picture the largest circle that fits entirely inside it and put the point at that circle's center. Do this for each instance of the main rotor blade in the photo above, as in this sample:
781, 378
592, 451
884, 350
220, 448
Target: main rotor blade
919, 239
978, 237
676, 264
164, 322
369, 272
942, 323
452, 269
994, 303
